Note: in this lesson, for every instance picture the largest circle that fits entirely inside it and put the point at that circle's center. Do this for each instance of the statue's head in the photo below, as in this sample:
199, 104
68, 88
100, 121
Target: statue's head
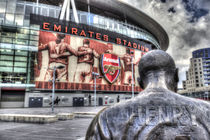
156, 62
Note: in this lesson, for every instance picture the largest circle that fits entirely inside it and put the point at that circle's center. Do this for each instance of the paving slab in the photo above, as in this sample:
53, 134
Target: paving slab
25, 118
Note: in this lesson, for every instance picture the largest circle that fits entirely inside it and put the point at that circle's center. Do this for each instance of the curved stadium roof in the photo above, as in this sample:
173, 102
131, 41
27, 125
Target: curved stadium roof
119, 10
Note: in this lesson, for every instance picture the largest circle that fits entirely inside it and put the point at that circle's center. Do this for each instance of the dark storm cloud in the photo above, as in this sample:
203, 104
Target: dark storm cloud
185, 21
192, 37
194, 8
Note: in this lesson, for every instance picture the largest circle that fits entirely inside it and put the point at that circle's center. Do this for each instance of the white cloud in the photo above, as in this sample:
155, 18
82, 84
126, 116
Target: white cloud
184, 36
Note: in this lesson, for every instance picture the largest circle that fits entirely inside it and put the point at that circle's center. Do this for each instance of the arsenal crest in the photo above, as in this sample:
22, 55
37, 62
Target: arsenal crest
110, 66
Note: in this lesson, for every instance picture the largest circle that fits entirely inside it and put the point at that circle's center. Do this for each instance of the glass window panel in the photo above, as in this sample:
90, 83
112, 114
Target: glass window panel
115, 25
33, 43
111, 24
34, 27
20, 52
5, 69
28, 11
26, 23
107, 23
23, 31
35, 9
71, 16
44, 12
90, 18
34, 37
57, 13
21, 47
51, 12
8, 34
19, 19
9, 18
39, 10
20, 9
2, 6
95, 19
6, 51
124, 30
16, 69
6, 40
2, 15
83, 19
21, 41
23, 36
120, 28
6, 46
11, 4
132, 33
34, 32
21, 64
6, 57
6, 63
20, 58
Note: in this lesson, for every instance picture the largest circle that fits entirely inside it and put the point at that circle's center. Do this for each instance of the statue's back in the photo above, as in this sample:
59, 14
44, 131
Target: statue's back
157, 114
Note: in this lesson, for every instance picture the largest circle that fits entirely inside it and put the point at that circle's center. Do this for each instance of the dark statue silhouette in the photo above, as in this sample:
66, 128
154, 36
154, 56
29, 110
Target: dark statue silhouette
157, 113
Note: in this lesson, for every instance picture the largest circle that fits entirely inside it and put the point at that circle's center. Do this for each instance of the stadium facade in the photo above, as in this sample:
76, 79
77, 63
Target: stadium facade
67, 42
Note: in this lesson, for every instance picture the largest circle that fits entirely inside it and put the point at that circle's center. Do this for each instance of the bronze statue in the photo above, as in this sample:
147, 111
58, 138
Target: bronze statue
157, 113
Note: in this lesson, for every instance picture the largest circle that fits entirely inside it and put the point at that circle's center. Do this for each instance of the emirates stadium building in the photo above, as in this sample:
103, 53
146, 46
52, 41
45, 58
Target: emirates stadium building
72, 52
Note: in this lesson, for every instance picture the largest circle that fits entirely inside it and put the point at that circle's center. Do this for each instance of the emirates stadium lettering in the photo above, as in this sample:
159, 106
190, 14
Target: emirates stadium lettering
91, 34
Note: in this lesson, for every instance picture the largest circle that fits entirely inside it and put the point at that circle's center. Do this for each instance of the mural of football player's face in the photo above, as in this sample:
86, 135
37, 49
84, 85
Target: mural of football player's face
86, 45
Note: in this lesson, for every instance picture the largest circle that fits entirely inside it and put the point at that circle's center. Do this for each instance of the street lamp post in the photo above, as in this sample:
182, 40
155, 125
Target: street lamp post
132, 77
95, 76
53, 88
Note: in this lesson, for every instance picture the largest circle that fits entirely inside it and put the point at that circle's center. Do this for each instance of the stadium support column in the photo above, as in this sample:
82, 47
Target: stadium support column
75, 11
66, 10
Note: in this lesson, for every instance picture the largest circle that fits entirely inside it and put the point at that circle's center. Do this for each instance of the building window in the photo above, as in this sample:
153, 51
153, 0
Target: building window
52, 13
84, 19
29, 10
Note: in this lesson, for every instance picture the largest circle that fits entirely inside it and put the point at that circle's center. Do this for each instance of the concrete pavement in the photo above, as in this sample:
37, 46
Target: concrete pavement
47, 111
62, 130
45, 115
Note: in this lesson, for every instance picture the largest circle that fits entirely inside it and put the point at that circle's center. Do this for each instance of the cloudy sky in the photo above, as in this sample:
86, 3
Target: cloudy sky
187, 24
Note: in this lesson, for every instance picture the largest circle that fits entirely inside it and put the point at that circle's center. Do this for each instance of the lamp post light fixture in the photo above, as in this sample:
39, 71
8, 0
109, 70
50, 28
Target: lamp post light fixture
53, 88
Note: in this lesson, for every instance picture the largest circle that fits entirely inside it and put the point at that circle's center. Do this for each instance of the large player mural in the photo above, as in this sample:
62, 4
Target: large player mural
78, 57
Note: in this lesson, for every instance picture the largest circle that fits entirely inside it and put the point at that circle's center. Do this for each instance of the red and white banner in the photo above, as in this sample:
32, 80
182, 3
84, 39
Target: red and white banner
75, 58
